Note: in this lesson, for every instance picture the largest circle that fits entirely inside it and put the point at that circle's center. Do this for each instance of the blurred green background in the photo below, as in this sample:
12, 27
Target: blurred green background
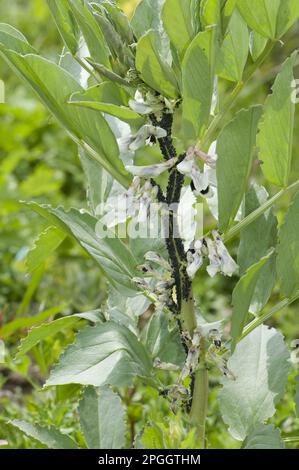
38, 161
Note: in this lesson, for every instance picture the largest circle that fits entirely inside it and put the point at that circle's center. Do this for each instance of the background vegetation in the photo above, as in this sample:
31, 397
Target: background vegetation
39, 162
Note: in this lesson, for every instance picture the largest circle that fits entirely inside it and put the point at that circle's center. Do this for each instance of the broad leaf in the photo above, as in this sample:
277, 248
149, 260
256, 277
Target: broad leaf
198, 83
27, 322
235, 149
153, 67
54, 86
288, 14
110, 252
233, 53
260, 365
242, 297
47, 330
102, 419
288, 250
255, 242
11, 38
260, 15
179, 19
49, 436
163, 343
257, 44
270, 18
276, 128
99, 182
264, 437
147, 16
91, 31
106, 354
47, 242
66, 23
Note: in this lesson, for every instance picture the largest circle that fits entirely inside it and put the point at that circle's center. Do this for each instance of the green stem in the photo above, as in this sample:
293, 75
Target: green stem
265, 316
199, 407
188, 316
257, 213
217, 122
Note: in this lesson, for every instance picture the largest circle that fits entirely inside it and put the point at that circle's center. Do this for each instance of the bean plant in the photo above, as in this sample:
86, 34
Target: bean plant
174, 170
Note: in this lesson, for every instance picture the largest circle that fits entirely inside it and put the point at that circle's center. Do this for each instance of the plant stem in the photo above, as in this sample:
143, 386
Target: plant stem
188, 316
265, 316
200, 393
257, 213
199, 405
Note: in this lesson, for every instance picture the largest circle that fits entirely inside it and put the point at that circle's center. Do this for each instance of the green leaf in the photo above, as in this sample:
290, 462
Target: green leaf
260, 365
153, 67
47, 242
54, 85
179, 19
106, 354
27, 322
120, 20
99, 182
198, 83
110, 252
153, 437
257, 44
46, 330
11, 38
66, 23
288, 250
235, 149
276, 128
264, 437
255, 242
49, 436
91, 30
297, 395
260, 15
233, 53
162, 342
242, 297
92, 99
270, 18
102, 419
147, 16
288, 14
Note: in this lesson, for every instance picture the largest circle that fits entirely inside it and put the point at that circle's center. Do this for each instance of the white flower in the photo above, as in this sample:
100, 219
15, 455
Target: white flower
205, 180
220, 259
149, 171
141, 138
194, 258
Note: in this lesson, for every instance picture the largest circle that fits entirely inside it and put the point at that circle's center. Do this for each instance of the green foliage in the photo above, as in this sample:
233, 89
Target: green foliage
276, 128
50, 437
130, 93
102, 419
198, 83
287, 259
86, 363
260, 367
235, 150
263, 437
